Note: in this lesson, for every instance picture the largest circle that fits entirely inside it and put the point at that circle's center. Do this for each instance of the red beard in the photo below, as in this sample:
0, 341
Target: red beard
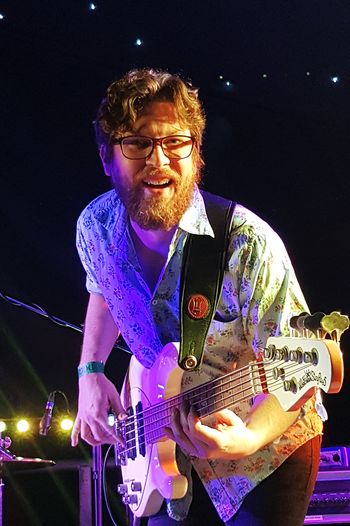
156, 211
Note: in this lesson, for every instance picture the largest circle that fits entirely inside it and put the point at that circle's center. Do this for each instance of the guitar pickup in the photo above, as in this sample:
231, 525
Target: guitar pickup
140, 429
119, 449
130, 435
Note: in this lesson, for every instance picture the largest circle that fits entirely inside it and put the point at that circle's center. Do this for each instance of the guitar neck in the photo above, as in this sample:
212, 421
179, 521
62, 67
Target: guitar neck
212, 396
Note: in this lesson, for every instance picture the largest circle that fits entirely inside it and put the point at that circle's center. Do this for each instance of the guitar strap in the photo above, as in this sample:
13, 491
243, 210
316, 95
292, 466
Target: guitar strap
201, 280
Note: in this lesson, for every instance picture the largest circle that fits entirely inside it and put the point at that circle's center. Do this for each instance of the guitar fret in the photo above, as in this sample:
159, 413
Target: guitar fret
161, 416
206, 399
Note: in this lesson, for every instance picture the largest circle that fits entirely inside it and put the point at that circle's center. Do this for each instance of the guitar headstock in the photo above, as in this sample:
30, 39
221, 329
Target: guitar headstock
295, 366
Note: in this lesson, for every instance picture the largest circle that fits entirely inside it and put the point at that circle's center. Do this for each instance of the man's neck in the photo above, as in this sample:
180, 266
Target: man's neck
155, 240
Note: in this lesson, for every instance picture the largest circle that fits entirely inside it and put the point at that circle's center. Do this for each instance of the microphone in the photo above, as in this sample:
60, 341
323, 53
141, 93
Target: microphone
45, 422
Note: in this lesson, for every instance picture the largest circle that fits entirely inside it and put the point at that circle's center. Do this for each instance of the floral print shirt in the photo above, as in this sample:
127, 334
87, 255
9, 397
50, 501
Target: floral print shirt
259, 295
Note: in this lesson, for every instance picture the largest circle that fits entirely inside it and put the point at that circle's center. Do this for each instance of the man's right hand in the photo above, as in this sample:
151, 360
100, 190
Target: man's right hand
97, 396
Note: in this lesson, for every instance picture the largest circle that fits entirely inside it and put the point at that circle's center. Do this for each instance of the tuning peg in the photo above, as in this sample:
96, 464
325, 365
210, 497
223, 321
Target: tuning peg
313, 323
296, 322
335, 324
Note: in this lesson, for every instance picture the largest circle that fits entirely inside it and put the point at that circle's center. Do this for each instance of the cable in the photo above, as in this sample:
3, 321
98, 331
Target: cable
39, 310
104, 485
57, 391
120, 344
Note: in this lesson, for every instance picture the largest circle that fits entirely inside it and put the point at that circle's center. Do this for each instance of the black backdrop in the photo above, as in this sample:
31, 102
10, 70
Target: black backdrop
277, 140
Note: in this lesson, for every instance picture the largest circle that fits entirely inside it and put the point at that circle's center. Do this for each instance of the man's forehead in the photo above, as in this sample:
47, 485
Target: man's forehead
159, 114
163, 110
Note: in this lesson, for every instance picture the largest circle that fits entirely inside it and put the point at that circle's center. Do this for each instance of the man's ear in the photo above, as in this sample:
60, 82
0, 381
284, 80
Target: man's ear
103, 156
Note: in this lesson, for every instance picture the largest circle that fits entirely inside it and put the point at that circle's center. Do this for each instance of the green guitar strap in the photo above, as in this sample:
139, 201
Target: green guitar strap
201, 280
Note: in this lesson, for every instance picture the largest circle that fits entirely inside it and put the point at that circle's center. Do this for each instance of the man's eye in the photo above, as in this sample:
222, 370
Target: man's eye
174, 141
137, 144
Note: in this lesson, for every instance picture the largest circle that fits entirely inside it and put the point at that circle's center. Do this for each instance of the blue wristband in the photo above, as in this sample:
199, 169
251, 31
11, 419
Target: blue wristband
90, 367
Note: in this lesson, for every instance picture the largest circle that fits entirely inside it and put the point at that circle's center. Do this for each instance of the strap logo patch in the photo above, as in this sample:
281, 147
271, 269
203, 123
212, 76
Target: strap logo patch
198, 306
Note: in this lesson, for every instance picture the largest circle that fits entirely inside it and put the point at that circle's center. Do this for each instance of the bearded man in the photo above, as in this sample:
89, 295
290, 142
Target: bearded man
257, 462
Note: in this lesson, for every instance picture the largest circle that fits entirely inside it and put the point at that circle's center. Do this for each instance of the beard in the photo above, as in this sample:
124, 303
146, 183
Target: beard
154, 211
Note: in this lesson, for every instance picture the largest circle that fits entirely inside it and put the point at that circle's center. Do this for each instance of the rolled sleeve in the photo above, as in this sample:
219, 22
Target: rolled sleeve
86, 250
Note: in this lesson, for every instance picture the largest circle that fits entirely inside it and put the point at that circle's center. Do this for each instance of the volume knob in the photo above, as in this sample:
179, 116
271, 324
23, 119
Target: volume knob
130, 499
122, 489
136, 486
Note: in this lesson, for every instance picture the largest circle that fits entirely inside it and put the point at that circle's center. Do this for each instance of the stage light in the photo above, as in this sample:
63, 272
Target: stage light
138, 42
228, 85
3, 426
335, 79
2, 16
92, 6
66, 424
22, 426
264, 76
221, 77
308, 73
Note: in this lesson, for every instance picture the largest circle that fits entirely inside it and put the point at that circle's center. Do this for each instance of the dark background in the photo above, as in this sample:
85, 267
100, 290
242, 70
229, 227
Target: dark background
277, 141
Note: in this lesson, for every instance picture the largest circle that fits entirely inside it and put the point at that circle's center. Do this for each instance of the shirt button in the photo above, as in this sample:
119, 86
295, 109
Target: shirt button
154, 302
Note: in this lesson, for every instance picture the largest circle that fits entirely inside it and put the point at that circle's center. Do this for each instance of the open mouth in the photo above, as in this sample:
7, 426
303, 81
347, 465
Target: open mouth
159, 183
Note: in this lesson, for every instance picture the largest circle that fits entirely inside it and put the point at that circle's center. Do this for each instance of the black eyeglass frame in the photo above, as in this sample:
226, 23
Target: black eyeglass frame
155, 141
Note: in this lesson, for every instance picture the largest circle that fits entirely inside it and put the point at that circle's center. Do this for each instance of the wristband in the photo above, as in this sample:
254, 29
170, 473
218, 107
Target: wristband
90, 367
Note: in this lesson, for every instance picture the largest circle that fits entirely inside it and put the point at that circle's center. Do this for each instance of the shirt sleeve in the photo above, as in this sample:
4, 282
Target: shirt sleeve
268, 292
86, 250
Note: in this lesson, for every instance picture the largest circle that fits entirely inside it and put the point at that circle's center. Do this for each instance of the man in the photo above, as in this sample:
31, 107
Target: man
257, 463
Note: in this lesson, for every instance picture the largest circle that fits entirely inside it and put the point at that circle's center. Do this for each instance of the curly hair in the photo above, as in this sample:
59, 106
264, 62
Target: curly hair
125, 99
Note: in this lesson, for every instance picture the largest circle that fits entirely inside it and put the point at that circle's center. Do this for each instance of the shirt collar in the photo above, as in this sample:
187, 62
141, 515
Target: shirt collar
111, 213
195, 219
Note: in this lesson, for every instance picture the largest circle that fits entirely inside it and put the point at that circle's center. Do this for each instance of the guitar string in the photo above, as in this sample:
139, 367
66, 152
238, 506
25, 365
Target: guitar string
160, 427
166, 405
132, 447
197, 391
176, 400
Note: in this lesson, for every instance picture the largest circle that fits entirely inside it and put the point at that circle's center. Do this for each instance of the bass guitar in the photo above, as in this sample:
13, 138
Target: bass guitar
289, 368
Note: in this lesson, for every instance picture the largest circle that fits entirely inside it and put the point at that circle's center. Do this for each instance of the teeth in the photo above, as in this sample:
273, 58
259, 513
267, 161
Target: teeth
157, 182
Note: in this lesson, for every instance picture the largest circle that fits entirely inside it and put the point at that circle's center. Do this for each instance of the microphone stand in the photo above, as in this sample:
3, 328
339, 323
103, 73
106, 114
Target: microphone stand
97, 478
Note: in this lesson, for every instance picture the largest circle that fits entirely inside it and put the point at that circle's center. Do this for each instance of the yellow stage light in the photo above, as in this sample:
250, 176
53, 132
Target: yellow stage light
22, 426
3, 426
66, 424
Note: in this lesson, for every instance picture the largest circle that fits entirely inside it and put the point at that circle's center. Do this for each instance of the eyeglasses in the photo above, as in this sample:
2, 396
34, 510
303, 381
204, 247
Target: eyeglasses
139, 147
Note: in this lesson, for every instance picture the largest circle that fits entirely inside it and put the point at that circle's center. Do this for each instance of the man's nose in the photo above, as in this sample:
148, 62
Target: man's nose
157, 158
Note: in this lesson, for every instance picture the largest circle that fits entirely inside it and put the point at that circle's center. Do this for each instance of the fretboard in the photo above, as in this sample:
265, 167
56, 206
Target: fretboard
207, 398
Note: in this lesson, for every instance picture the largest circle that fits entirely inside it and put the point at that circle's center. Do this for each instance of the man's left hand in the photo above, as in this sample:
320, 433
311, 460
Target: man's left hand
227, 436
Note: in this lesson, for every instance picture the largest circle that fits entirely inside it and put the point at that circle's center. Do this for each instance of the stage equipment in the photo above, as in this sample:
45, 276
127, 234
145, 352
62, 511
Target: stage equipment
11, 463
330, 501
334, 458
